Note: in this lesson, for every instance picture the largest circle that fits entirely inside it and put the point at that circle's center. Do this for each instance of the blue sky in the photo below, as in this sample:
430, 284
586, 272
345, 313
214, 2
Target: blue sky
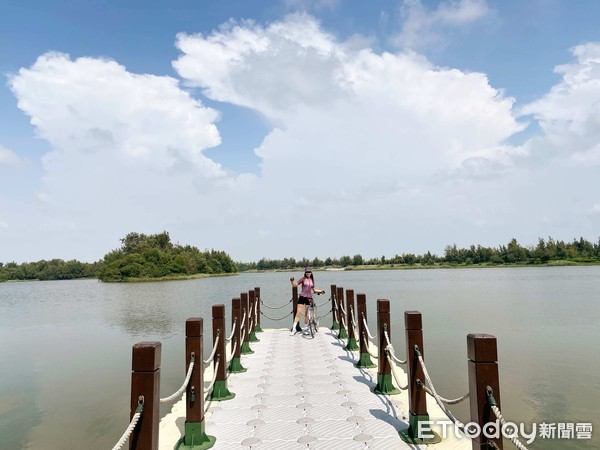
297, 127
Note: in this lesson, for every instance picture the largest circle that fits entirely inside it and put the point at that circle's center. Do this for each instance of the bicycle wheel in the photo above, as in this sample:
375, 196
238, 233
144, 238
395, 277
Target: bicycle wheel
315, 320
311, 321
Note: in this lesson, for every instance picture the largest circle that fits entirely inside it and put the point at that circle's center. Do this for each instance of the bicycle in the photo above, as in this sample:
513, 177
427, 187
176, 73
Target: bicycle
313, 319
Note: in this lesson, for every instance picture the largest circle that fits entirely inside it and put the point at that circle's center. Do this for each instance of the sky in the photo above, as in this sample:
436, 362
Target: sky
297, 128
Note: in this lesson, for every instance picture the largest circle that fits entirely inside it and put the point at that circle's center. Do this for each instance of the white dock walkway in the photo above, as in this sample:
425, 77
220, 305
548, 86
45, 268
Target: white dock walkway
302, 393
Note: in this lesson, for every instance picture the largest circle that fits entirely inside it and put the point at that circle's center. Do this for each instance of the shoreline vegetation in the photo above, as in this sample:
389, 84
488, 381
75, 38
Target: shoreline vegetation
144, 258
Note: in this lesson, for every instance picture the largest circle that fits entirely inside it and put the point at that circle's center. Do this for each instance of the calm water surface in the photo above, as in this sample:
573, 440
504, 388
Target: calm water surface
66, 346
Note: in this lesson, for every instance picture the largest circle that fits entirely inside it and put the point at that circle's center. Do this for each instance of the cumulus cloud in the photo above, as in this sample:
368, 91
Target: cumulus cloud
127, 149
372, 153
354, 129
421, 27
569, 114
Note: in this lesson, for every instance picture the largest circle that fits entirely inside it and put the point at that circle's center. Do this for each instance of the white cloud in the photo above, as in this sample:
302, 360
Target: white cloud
569, 114
372, 153
422, 27
8, 158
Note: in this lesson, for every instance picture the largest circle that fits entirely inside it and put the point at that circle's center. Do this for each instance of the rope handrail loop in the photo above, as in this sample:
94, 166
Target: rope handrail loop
458, 423
326, 314
343, 309
244, 317
390, 348
214, 350
395, 375
367, 327
214, 379
132, 424
324, 303
271, 318
387, 338
228, 340
185, 382
496, 410
353, 323
344, 322
454, 401
276, 307
233, 350
366, 342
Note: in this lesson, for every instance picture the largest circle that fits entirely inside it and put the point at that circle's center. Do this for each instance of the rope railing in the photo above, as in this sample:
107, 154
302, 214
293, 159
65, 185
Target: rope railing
394, 373
367, 328
458, 423
214, 379
228, 340
454, 401
244, 317
353, 322
214, 350
390, 348
366, 342
132, 424
324, 303
233, 350
180, 391
271, 318
276, 307
496, 410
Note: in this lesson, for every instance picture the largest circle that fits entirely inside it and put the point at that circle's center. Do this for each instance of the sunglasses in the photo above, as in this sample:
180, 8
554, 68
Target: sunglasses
308, 272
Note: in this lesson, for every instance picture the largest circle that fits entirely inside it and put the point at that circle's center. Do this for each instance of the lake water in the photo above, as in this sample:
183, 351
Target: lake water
65, 346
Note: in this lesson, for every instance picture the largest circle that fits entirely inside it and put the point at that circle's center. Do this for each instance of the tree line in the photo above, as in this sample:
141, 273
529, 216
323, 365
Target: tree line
545, 252
155, 256
139, 257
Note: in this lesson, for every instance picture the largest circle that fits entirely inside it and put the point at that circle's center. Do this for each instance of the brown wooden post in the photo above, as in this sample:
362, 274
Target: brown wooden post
257, 328
235, 366
343, 333
145, 390
351, 345
252, 301
384, 371
246, 335
417, 397
334, 312
194, 429
482, 352
220, 391
361, 308
295, 307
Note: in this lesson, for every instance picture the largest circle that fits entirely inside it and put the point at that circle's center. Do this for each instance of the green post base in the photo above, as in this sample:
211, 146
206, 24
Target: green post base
351, 345
343, 334
335, 325
365, 361
385, 385
258, 329
195, 437
252, 337
235, 366
220, 391
410, 435
246, 350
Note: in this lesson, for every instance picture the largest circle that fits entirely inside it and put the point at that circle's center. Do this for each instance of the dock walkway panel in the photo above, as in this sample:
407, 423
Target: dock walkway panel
301, 393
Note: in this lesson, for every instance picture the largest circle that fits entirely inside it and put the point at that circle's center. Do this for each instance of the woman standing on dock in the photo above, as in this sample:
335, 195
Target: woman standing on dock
308, 287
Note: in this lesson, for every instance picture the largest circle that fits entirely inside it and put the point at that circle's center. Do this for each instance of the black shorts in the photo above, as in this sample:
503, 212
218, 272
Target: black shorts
304, 300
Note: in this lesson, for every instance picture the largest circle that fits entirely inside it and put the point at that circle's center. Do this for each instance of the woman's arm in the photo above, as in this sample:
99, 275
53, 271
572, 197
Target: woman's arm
296, 283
